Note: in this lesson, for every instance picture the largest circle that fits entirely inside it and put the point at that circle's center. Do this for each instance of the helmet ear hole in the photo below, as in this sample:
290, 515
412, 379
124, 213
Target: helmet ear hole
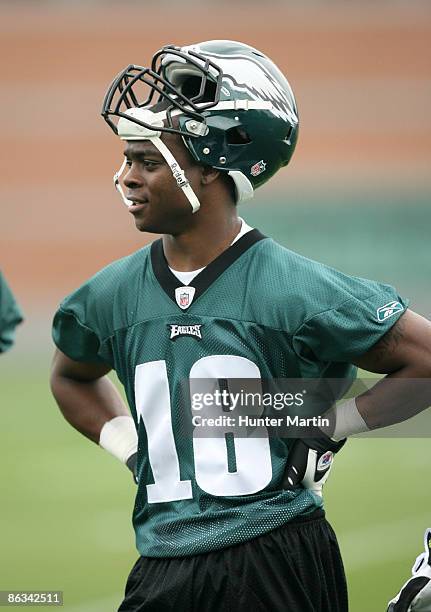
237, 136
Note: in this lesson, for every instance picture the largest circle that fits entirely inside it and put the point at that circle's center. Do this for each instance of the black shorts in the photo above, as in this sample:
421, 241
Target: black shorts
296, 568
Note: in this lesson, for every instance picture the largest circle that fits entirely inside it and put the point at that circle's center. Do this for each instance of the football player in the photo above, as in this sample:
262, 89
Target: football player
10, 316
218, 525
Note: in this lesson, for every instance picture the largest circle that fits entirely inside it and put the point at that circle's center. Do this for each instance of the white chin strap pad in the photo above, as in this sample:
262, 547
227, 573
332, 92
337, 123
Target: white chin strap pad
128, 130
117, 184
244, 189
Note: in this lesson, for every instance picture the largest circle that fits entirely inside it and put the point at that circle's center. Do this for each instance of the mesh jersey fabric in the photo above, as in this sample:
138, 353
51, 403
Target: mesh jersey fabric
289, 316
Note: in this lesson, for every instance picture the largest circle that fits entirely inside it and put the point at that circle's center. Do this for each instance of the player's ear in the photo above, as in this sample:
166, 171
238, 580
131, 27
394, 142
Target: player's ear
209, 175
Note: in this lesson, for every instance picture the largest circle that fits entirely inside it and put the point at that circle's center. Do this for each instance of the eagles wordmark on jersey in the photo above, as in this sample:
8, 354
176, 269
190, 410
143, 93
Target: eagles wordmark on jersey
257, 311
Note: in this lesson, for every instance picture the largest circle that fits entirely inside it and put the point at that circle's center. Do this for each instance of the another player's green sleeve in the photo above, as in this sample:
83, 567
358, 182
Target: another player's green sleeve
349, 330
10, 316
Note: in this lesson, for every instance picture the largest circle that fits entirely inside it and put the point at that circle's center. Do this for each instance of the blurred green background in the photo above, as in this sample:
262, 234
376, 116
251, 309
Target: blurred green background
356, 196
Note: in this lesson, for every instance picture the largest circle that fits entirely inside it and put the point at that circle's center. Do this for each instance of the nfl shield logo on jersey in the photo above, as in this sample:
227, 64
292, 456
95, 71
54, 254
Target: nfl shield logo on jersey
184, 296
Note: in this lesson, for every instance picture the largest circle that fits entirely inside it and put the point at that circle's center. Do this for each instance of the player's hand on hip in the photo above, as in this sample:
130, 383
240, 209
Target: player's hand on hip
309, 463
415, 595
132, 464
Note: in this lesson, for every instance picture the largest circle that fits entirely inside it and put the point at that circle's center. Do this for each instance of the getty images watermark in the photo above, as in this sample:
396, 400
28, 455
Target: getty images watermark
239, 404
295, 408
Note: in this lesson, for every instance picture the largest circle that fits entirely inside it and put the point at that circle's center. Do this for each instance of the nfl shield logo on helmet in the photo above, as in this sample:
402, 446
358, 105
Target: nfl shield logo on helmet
184, 296
258, 168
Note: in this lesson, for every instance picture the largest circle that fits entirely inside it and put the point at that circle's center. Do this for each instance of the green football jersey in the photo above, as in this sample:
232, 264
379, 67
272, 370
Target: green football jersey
258, 311
10, 316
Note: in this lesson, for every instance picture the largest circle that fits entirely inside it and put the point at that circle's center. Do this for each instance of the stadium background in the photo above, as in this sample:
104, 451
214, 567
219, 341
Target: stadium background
356, 197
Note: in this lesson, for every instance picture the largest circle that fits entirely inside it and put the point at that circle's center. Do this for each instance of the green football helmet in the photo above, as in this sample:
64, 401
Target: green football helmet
233, 107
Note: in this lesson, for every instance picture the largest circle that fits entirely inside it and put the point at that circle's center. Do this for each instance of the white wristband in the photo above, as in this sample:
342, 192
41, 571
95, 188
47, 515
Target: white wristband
118, 436
348, 421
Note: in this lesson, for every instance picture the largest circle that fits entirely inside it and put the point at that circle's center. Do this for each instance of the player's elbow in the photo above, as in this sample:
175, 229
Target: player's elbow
418, 359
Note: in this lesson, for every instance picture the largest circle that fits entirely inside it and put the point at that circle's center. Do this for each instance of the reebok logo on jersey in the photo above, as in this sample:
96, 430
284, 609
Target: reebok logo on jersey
185, 330
388, 310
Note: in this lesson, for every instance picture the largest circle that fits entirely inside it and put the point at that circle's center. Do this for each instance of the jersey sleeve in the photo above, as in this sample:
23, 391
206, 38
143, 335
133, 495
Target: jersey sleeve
10, 316
87, 321
349, 329
74, 338
79, 328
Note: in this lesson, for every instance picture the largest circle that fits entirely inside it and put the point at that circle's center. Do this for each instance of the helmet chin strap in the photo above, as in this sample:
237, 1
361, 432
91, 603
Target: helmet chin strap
128, 130
117, 184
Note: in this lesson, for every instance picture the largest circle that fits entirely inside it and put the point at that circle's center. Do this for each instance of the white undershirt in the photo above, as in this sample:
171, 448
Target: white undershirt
187, 277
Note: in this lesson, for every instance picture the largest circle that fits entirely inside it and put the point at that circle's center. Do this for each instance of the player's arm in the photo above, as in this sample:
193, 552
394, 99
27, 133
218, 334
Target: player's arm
90, 402
404, 354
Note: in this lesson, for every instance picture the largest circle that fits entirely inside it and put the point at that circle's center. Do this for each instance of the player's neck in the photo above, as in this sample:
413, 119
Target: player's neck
198, 247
